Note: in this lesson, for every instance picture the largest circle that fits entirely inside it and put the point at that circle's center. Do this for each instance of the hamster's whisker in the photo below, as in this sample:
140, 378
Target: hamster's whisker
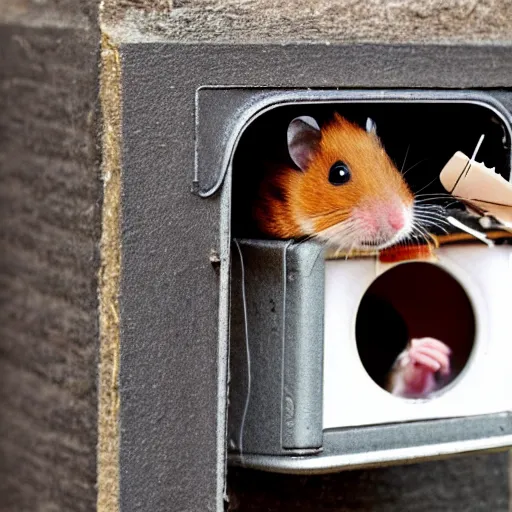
450, 203
434, 200
420, 238
404, 242
436, 195
428, 203
350, 251
412, 236
417, 236
413, 166
405, 157
428, 235
429, 200
431, 217
340, 229
345, 235
420, 231
430, 211
433, 211
438, 210
427, 185
417, 239
429, 207
430, 214
410, 239
423, 232
428, 223
427, 211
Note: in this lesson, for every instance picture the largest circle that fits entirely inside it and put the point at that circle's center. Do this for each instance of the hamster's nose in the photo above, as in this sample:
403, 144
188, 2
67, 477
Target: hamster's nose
396, 219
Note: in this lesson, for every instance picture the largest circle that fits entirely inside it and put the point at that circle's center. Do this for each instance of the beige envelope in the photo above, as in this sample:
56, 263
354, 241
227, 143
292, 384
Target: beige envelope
479, 186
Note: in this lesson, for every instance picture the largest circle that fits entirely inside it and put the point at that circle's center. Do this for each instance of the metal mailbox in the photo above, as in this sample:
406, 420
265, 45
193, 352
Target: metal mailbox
302, 398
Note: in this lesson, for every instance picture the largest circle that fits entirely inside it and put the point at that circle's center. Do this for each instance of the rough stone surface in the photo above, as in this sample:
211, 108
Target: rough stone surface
306, 20
74, 14
115, 10
49, 228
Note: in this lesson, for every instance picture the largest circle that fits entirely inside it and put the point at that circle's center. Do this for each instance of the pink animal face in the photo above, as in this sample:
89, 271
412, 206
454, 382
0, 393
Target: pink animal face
415, 370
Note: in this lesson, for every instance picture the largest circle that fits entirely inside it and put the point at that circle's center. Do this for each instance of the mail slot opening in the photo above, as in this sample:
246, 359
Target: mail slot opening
419, 137
415, 301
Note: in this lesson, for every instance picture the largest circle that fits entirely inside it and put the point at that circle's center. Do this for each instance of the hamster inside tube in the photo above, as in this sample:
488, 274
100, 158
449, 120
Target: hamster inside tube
346, 192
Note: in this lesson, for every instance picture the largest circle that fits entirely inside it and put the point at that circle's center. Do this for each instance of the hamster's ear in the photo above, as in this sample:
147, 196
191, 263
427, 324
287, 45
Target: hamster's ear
371, 126
303, 139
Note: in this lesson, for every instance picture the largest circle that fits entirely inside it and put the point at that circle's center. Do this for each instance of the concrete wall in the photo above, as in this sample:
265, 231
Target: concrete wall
50, 196
307, 20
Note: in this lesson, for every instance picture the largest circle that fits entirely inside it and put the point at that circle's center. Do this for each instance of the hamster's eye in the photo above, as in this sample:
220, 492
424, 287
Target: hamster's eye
339, 173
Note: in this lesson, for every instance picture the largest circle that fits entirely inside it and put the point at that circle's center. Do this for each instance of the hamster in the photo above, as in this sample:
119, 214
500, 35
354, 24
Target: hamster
345, 191
420, 369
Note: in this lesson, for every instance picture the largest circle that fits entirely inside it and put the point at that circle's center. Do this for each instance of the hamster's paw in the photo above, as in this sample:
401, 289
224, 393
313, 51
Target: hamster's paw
429, 354
418, 365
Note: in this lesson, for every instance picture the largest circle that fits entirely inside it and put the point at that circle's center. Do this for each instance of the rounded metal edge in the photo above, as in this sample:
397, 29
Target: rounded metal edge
326, 463
271, 99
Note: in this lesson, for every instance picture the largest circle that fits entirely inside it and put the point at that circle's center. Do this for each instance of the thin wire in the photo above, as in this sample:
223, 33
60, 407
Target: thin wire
248, 353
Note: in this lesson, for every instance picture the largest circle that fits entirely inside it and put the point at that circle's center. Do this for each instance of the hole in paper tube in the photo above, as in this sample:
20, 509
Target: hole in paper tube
413, 300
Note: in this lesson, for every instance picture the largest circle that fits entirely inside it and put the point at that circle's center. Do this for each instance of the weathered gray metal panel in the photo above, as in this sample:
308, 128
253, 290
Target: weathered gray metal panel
276, 347
169, 301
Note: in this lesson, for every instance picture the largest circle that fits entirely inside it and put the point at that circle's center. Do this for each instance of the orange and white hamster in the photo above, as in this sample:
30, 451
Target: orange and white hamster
346, 191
